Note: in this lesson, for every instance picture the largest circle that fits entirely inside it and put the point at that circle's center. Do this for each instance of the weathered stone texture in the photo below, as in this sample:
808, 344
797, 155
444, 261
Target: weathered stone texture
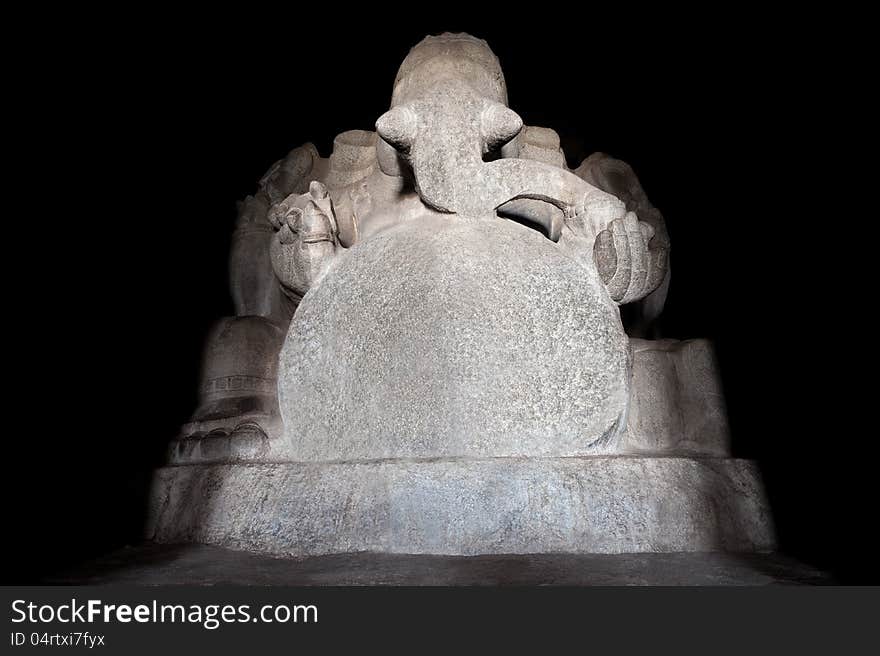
452, 337
503, 505
677, 404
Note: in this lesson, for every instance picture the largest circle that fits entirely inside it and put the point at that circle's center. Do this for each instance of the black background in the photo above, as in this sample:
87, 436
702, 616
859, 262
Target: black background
148, 132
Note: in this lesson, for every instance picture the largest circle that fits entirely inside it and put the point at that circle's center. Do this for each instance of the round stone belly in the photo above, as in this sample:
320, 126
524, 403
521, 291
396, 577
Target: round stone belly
451, 337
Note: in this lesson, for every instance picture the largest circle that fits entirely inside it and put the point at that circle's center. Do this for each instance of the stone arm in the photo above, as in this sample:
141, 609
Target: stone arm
632, 257
615, 227
254, 287
306, 241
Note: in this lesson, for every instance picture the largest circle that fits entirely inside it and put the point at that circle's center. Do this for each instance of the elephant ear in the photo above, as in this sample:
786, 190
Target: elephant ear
498, 125
398, 127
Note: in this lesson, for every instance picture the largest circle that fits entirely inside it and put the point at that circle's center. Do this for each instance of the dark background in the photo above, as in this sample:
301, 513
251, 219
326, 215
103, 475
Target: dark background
149, 136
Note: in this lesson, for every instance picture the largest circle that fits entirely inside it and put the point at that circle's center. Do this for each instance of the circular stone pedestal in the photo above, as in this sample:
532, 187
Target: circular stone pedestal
466, 506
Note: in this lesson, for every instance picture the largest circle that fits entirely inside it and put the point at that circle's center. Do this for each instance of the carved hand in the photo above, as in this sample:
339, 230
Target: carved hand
630, 262
306, 240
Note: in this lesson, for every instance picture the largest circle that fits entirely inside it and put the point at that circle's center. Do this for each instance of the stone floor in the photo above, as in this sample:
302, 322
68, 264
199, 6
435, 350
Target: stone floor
153, 564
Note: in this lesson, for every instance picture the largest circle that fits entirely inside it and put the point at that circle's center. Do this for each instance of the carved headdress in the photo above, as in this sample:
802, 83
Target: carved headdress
460, 56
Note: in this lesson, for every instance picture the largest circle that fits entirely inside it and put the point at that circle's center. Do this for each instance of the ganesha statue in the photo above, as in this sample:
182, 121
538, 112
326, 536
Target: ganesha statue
429, 355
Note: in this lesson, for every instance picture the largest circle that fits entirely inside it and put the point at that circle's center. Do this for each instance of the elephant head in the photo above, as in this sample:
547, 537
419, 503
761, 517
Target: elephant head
448, 119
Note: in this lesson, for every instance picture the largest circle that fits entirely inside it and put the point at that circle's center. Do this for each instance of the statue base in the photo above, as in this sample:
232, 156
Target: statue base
601, 504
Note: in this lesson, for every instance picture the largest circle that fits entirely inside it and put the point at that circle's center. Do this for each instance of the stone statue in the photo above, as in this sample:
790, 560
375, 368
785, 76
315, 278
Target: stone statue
429, 355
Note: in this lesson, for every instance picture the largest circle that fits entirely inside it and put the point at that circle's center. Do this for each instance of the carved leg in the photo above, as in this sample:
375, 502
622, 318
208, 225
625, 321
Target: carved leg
237, 417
